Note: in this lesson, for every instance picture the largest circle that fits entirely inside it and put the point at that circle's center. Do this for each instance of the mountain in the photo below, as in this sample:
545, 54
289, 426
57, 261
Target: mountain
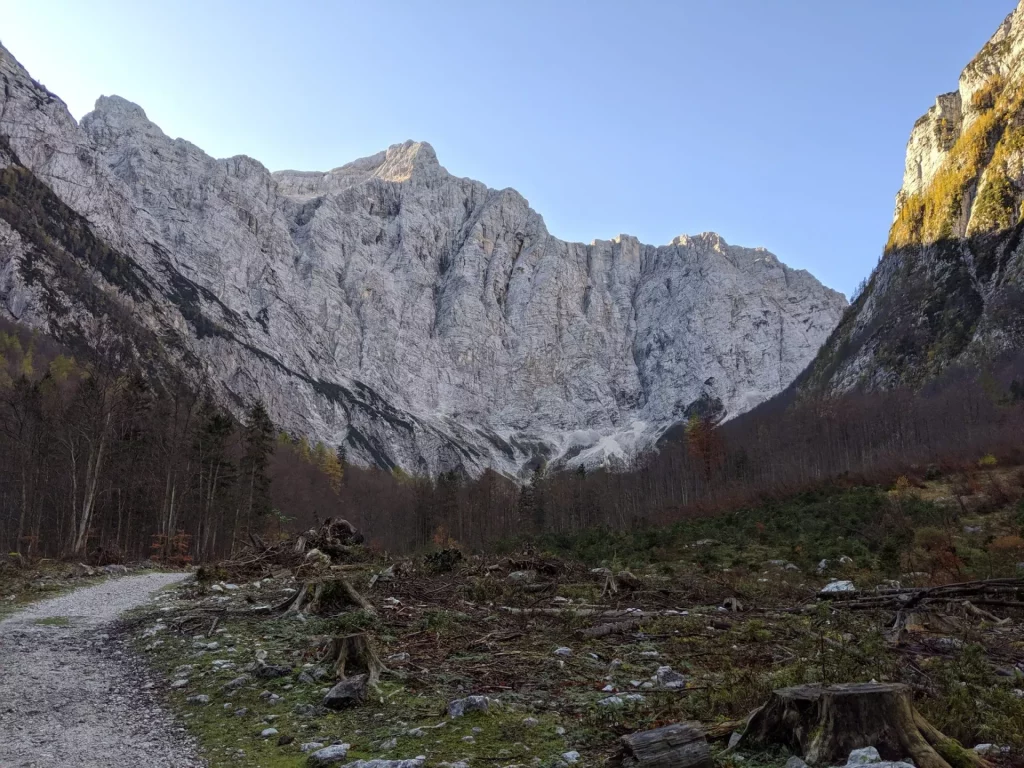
419, 319
950, 285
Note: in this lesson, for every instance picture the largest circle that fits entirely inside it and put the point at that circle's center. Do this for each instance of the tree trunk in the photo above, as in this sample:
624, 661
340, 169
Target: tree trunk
824, 724
681, 745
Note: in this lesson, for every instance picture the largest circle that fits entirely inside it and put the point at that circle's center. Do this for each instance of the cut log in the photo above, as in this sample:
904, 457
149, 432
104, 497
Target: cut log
615, 628
681, 745
825, 723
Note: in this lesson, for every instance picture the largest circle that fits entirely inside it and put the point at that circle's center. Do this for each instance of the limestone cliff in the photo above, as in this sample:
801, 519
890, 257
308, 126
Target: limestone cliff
421, 319
950, 285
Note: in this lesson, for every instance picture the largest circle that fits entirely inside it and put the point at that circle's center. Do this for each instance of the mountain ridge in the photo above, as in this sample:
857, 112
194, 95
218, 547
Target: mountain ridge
420, 319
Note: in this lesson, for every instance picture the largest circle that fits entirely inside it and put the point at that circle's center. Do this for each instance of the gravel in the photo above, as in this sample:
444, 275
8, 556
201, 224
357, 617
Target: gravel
75, 695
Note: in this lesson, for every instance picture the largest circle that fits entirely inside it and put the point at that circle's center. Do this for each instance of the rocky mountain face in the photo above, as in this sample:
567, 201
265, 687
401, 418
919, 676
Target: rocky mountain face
950, 285
420, 319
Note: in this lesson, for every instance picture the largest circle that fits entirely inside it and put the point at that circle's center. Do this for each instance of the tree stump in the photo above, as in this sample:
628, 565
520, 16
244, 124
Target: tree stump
354, 654
330, 592
824, 724
681, 745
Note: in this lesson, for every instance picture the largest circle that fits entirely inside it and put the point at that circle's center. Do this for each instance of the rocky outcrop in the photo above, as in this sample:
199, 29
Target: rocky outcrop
421, 319
949, 288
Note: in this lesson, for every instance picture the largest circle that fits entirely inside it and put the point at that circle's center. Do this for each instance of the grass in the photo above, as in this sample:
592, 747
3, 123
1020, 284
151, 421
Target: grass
54, 621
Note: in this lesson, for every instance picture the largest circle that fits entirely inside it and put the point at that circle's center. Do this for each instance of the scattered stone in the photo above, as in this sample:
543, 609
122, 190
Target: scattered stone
611, 701
459, 707
237, 683
115, 570
399, 658
522, 577
266, 733
530, 722
416, 762
793, 762
181, 683
216, 588
309, 746
269, 671
469, 739
241, 712
734, 739
864, 756
200, 698
306, 679
563, 651
388, 745
669, 678
571, 757
347, 693
843, 585
949, 643
331, 755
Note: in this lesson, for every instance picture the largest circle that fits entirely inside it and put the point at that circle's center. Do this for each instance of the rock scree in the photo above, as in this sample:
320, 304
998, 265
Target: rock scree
72, 694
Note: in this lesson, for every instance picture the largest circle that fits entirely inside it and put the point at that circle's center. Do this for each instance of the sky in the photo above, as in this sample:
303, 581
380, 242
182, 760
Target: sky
776, 123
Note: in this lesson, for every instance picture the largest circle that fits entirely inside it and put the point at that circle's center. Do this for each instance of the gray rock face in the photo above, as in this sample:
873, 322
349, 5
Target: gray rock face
420, 319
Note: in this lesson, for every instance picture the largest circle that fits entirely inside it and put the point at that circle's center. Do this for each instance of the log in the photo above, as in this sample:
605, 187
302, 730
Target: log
825, 723
681, 745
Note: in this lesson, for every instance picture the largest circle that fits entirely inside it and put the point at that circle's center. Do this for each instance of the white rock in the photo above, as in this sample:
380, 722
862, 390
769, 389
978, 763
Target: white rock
390, 284
864, 756
839, 586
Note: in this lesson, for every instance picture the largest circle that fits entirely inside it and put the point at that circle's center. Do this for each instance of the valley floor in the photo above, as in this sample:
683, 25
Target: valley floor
580, 640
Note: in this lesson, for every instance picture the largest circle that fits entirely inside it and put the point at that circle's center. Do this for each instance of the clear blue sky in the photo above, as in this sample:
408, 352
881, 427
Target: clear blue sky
779, 123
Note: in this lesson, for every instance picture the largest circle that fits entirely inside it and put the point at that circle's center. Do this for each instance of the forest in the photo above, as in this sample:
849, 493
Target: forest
100, 463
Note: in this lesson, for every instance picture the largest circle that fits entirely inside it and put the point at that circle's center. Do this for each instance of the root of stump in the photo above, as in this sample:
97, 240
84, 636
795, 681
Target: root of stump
354, 655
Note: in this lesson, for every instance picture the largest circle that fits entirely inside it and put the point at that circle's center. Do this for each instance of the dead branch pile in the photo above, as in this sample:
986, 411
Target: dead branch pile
336, 540
993, 592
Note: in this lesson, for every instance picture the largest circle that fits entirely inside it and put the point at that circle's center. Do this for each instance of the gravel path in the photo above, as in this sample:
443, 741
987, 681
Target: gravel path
74, 695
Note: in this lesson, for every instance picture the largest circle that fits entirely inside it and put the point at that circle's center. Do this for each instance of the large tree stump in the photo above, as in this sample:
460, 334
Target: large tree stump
681, 745
824, 724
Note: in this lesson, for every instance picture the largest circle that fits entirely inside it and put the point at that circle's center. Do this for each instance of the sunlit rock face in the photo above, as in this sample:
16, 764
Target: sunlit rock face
949, 289
420, 319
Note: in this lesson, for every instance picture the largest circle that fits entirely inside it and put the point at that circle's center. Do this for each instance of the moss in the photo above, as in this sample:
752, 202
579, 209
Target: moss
953, 753
939, 211
996, 203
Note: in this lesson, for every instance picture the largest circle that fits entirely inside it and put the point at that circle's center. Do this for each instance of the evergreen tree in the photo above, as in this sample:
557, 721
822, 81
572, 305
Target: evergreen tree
258, 439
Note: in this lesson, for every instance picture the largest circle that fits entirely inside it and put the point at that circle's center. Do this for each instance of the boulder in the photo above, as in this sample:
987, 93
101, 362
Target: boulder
331, 755
349, 692
460, 707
